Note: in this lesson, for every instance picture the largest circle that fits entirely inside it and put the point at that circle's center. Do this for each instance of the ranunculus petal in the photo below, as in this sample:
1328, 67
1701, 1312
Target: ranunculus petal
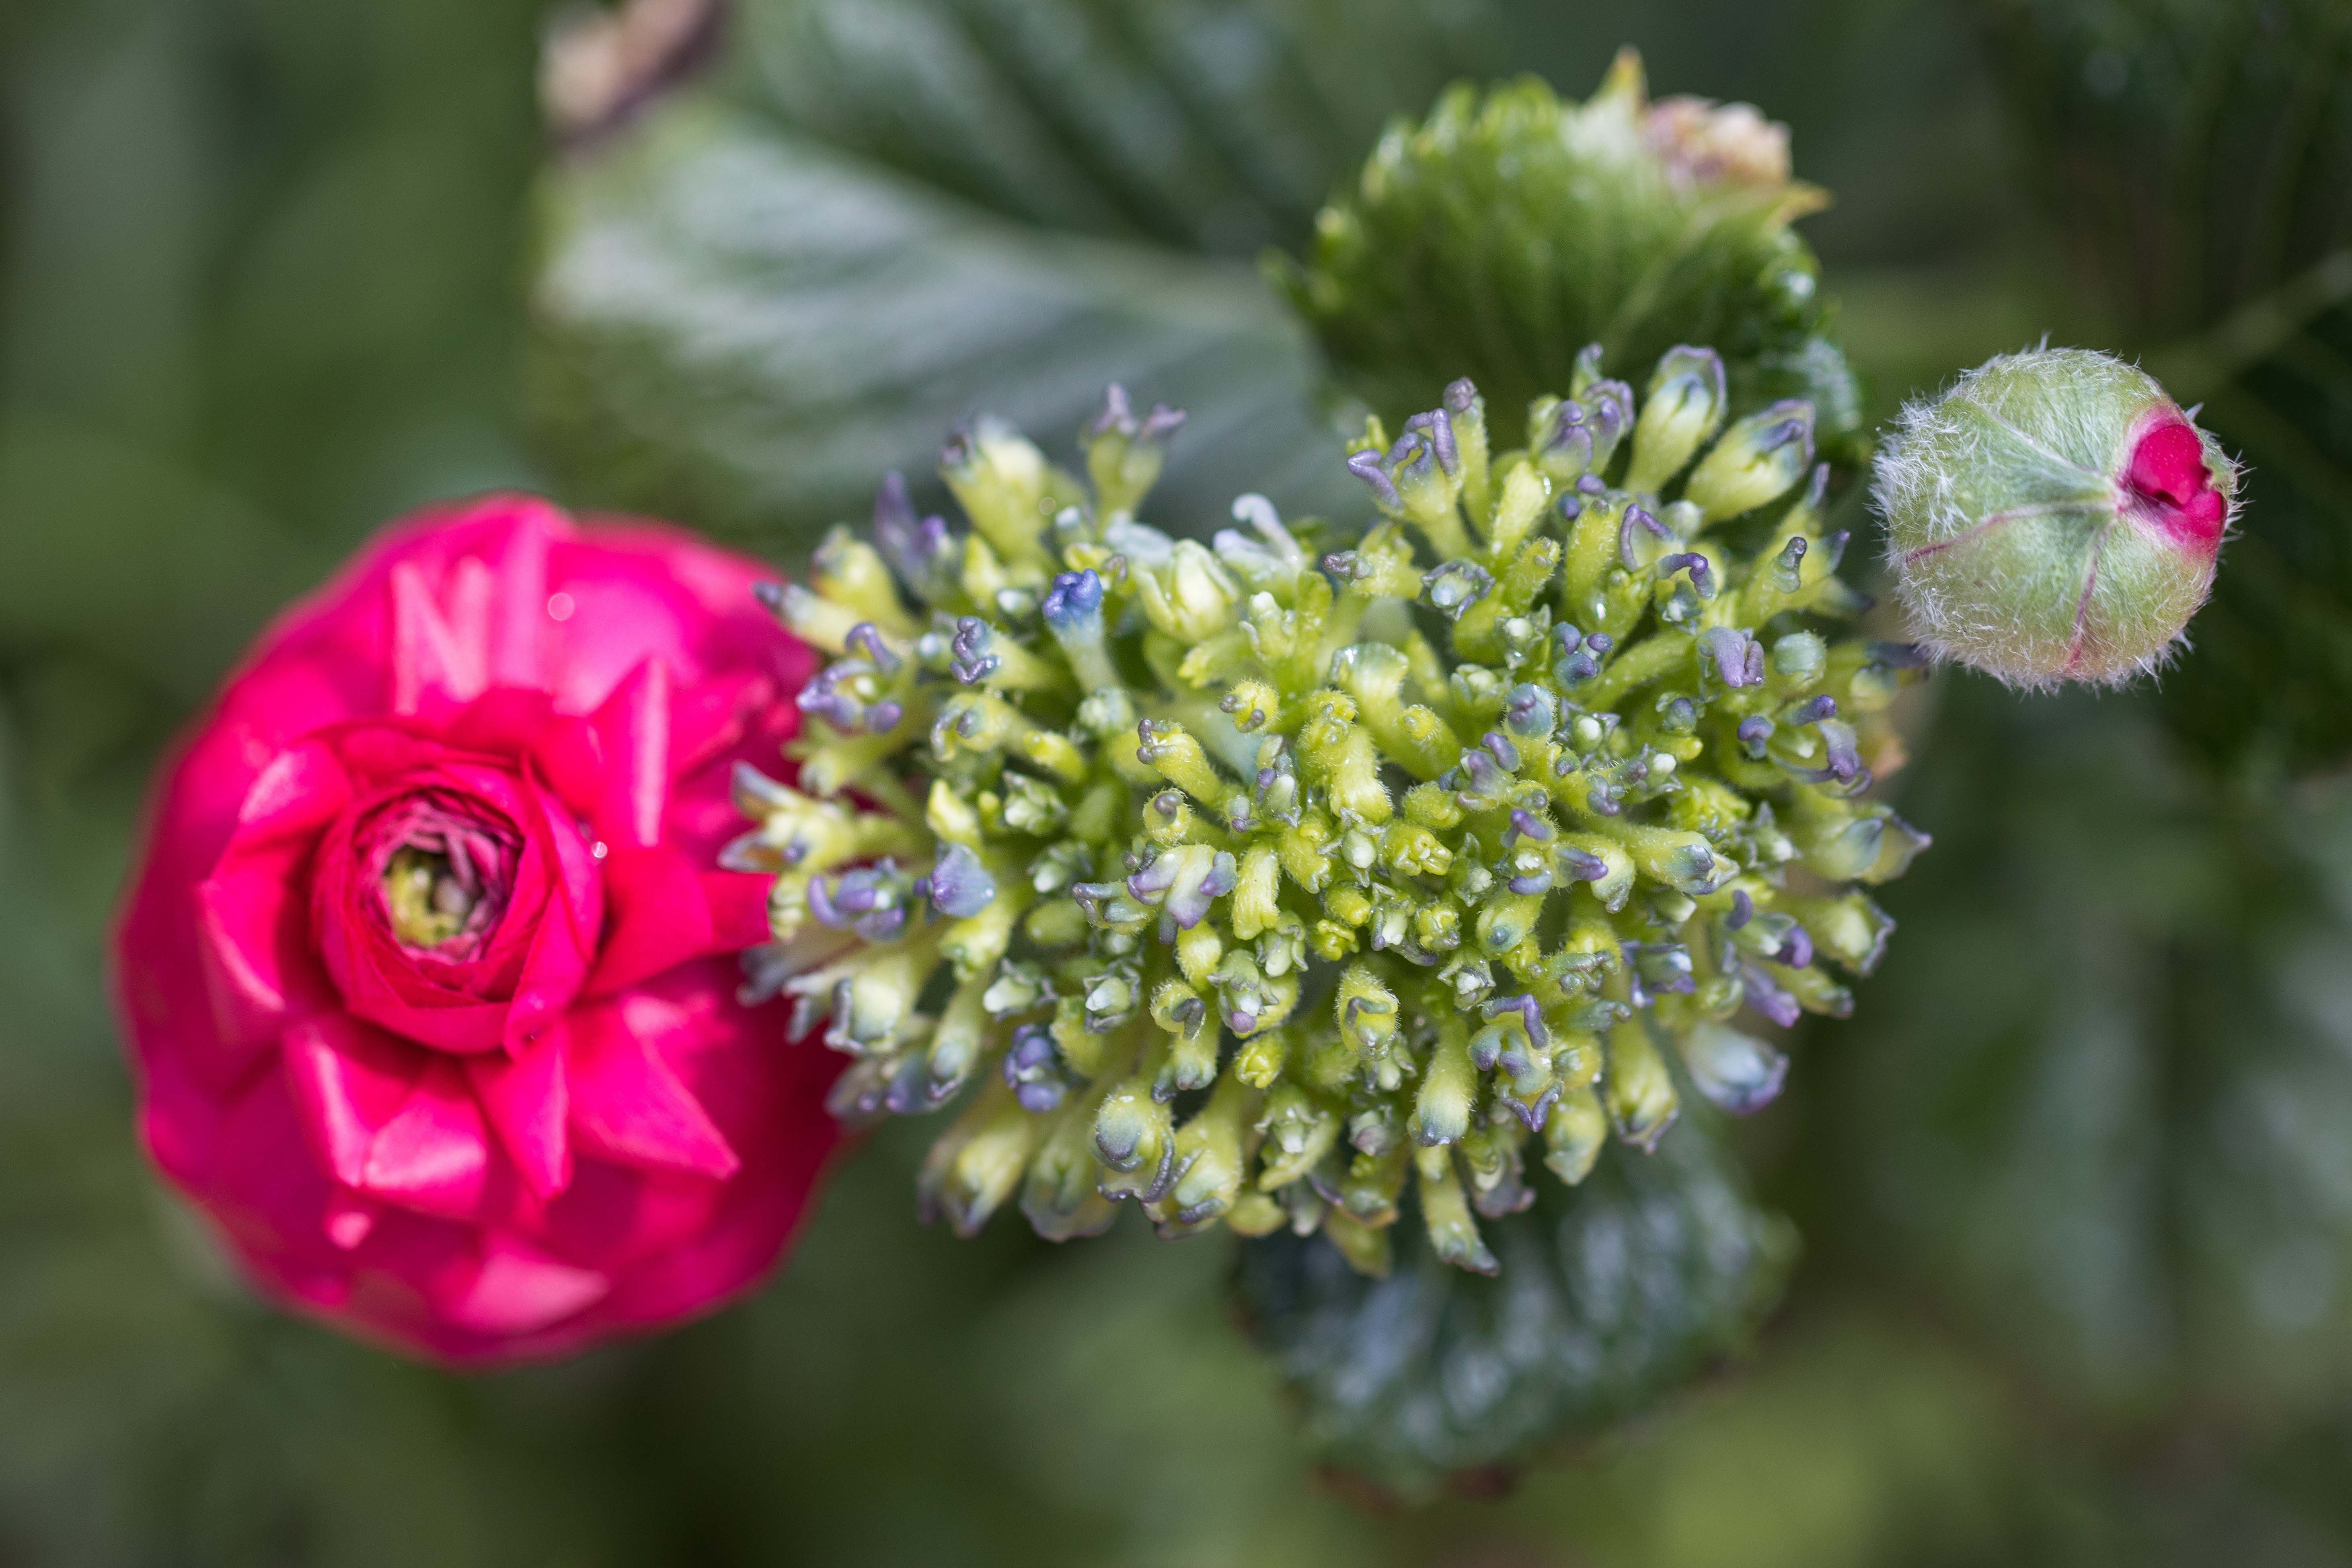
634, 724
518, 621
627, 1103
296, 797
739, 909
440, 647
255, 944
613, 1216
707, 720
350, 1218
433, 1155
525, 1095
564, 944
503, 722
660, 917
348, 1081
569, 755
516, 1289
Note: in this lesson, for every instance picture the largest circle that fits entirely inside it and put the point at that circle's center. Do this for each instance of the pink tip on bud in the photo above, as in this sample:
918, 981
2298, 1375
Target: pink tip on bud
2171, 489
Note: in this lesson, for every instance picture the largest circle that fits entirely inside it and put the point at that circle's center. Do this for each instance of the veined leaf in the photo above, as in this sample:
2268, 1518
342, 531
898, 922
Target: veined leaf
884, 215
738, 327
1610, 1296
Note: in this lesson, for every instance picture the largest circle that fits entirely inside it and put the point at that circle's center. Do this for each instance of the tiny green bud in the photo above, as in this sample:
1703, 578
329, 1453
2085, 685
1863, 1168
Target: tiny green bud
2053, 517
1757, 460
1573, 1135
1684, 407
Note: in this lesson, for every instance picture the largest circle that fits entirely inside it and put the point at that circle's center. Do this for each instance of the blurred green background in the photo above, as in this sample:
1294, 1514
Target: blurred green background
2076, 1185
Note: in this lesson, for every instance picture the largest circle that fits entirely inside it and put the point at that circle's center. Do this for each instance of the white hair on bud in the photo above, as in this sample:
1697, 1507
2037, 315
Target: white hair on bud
2038, 434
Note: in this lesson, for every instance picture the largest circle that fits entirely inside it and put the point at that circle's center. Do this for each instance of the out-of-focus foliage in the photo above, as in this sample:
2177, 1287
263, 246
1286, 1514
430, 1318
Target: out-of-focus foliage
2124, 1149
2197, 154
262, 273
1609, 1297
879, 217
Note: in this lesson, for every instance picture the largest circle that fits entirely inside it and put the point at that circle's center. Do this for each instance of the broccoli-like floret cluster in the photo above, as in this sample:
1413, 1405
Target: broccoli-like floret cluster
1267, 881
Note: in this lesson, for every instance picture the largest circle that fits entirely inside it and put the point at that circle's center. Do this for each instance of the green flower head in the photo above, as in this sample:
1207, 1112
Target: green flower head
1306, 878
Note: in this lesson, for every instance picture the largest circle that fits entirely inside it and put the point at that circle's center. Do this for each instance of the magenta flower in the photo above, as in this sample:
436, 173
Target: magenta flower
427, 970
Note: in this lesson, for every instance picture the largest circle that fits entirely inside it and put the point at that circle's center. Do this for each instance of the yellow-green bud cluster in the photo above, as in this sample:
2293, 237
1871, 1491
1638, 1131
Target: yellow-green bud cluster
1300, 879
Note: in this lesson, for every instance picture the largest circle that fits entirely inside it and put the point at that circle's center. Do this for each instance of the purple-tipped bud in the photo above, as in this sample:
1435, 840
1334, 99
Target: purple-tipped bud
1702, 571
958, 886
1640, 537
968, 656
1033, 1069
1530, 1014
1682, 412
1739, 658
1737, 1071
1758, 460
866, 637
922, 552
1813, 710
1074, 605
1438, 430
1456, 586
1530, 711
1366, 466
1563, 444
1609, 413
1581, 865
1766, 995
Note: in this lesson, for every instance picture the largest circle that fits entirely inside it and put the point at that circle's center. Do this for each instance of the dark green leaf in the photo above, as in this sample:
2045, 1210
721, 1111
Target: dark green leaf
740, 328
2101, 1089
882, 218
1611, 1295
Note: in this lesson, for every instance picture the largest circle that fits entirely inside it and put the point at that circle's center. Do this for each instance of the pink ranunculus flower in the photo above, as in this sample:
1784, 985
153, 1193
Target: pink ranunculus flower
427, 967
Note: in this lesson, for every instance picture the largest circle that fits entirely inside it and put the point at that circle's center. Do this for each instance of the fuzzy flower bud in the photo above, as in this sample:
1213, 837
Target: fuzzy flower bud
2053, 517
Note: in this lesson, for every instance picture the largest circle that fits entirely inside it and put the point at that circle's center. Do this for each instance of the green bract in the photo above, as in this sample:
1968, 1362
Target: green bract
1510, 226
1263, 885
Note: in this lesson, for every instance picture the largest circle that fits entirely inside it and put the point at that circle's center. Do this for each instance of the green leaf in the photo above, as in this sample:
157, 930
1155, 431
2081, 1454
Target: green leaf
1611, 1295
1500, 235
2197, 156
2100, 1094
739, 328
883, 217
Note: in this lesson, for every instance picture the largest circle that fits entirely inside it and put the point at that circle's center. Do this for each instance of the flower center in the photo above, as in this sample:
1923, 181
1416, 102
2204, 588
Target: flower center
428, 900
